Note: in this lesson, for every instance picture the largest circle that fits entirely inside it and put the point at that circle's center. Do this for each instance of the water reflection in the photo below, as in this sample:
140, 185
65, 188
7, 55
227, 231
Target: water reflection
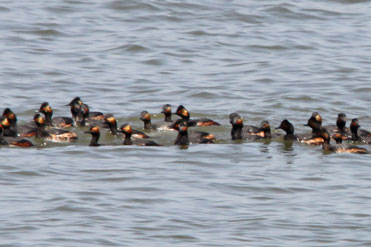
264, 147
287, 146
183, 146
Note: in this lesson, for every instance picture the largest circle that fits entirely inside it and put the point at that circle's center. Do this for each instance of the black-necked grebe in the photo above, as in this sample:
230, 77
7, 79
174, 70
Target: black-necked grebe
338, 149
75, 105
166, 110
11, 141
264, 130
128, 132
11, 128
77, 110
111, 123
239, 131
83, 117
62, 122
247, 130
55, 135
194, 136
358, 134
10, 115
237, 125
167, 123
339, 127
289, 129
340, 124
315, 123
8, 129
184, 114
182, 137
339, 131
146, 118
95, 134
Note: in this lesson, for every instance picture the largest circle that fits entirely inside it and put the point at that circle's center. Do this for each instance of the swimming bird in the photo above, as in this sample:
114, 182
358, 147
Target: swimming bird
79, 109
358, 134
146, 118
75, 105
338, 149
62, 122
54, 135
184, 114
128, 132
95, 134
111, 123
237, 125
289, 129
166, 110
315, 123
182, 137
200, 137
11, 128
11, 141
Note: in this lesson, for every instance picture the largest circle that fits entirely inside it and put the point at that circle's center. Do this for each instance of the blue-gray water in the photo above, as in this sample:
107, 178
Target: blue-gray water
264, 59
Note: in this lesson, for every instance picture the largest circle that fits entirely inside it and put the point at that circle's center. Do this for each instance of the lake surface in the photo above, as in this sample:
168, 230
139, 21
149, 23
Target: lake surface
267, 60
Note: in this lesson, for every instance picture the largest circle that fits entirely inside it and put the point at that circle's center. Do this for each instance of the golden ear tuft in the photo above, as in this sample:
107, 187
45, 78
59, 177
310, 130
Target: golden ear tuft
111, 119
185, 113
127, 128
41, 120
48, 109
5, 122
94, 129
239, 121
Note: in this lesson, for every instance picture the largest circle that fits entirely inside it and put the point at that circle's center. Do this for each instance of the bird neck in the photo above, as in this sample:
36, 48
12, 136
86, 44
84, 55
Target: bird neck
236, 132
182, 138
127, 140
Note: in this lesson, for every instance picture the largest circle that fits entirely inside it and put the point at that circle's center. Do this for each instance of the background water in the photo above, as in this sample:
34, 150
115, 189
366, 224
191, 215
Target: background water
264, 59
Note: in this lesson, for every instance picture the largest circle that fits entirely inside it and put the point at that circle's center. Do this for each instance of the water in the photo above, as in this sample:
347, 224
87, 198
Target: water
265, 59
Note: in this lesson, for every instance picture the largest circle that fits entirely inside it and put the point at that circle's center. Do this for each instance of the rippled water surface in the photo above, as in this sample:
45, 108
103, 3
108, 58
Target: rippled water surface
264, 59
